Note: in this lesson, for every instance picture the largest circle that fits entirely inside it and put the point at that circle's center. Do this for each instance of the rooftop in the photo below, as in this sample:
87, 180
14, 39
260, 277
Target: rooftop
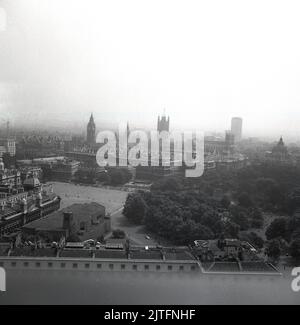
32, 252
74, 253
145, 255
120, 254
81, 212
178, 256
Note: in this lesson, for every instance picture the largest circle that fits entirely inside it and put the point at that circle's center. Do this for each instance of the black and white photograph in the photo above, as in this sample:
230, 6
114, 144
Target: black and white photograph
149, 155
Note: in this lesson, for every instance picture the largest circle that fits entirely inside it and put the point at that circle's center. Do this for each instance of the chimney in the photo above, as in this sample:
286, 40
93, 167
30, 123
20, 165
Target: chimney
24, 204
68, 221
39, 199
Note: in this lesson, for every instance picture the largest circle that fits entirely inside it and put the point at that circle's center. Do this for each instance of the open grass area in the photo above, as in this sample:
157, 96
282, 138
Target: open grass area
113, 200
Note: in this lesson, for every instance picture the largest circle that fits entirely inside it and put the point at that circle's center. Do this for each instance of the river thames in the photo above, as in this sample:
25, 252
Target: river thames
114, 288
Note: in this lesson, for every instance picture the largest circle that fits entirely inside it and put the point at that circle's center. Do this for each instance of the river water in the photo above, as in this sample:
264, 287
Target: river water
75, 287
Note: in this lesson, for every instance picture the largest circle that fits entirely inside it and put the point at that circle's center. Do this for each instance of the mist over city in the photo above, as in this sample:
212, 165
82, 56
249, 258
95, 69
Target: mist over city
202, 62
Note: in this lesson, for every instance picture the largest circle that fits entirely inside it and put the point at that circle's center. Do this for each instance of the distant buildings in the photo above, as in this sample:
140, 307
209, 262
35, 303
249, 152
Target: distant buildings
64, 170
222, 153
220, 147
219, 152
279, 154
280, 151
35, 146
54, 168
236, 128
8, 145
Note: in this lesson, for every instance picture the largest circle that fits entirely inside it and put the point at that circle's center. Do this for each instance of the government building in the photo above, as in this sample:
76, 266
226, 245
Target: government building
22, 201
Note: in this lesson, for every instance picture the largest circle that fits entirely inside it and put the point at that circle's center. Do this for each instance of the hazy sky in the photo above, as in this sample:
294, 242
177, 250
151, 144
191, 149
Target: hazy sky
204, 61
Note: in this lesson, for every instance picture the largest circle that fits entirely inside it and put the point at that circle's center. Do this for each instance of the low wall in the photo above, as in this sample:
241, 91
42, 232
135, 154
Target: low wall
95, 264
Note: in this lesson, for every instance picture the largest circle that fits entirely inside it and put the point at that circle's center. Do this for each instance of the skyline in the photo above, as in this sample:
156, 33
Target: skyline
204, 65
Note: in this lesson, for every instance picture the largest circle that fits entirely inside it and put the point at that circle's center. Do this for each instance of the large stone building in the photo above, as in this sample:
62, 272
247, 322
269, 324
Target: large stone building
18, 207
9, 177
22, 199
279, 154
87, 221
52, 168
163, 123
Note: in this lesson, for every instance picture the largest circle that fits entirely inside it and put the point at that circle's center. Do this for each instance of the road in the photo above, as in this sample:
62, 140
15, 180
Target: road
136, 234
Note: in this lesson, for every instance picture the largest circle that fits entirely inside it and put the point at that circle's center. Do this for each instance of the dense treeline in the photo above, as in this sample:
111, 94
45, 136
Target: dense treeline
219, 204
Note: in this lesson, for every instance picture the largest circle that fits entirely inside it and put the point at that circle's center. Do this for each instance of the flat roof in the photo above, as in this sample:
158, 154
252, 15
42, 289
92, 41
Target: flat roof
54, 221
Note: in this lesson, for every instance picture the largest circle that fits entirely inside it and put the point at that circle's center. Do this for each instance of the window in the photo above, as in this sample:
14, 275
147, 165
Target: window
99, 266
75, 265
37, 264
157, 267
13, 263
1, 264
170, 267
134, 267
87, 266
50, 264
123, 266
193, 267
181, 267
146, 267
111, 266
63, 265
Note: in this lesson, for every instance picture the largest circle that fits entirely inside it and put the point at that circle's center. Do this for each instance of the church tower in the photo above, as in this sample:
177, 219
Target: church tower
163, 123
91, 132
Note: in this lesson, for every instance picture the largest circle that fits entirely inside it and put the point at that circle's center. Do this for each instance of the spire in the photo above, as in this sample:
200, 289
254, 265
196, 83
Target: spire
7, 128
281, 141
91, 131
92, 118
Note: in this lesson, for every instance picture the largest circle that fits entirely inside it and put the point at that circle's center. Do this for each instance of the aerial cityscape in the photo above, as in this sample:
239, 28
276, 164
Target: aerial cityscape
91, 230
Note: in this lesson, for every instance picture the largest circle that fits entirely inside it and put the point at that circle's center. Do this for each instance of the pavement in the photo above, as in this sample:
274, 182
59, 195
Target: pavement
136, 234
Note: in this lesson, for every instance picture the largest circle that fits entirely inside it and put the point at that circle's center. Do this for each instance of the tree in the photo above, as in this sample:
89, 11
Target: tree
278, 228
116, 177
245, 200
257, 221
118, 234
73, 238
295, 248
270, 190
167, 184
253, 239
273, 249
293, 201
135, 208
225, 202
103, 177
85, 176
226, 229
239, 216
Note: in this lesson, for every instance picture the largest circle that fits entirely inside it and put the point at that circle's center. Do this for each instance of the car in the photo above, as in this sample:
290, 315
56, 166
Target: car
147, 237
